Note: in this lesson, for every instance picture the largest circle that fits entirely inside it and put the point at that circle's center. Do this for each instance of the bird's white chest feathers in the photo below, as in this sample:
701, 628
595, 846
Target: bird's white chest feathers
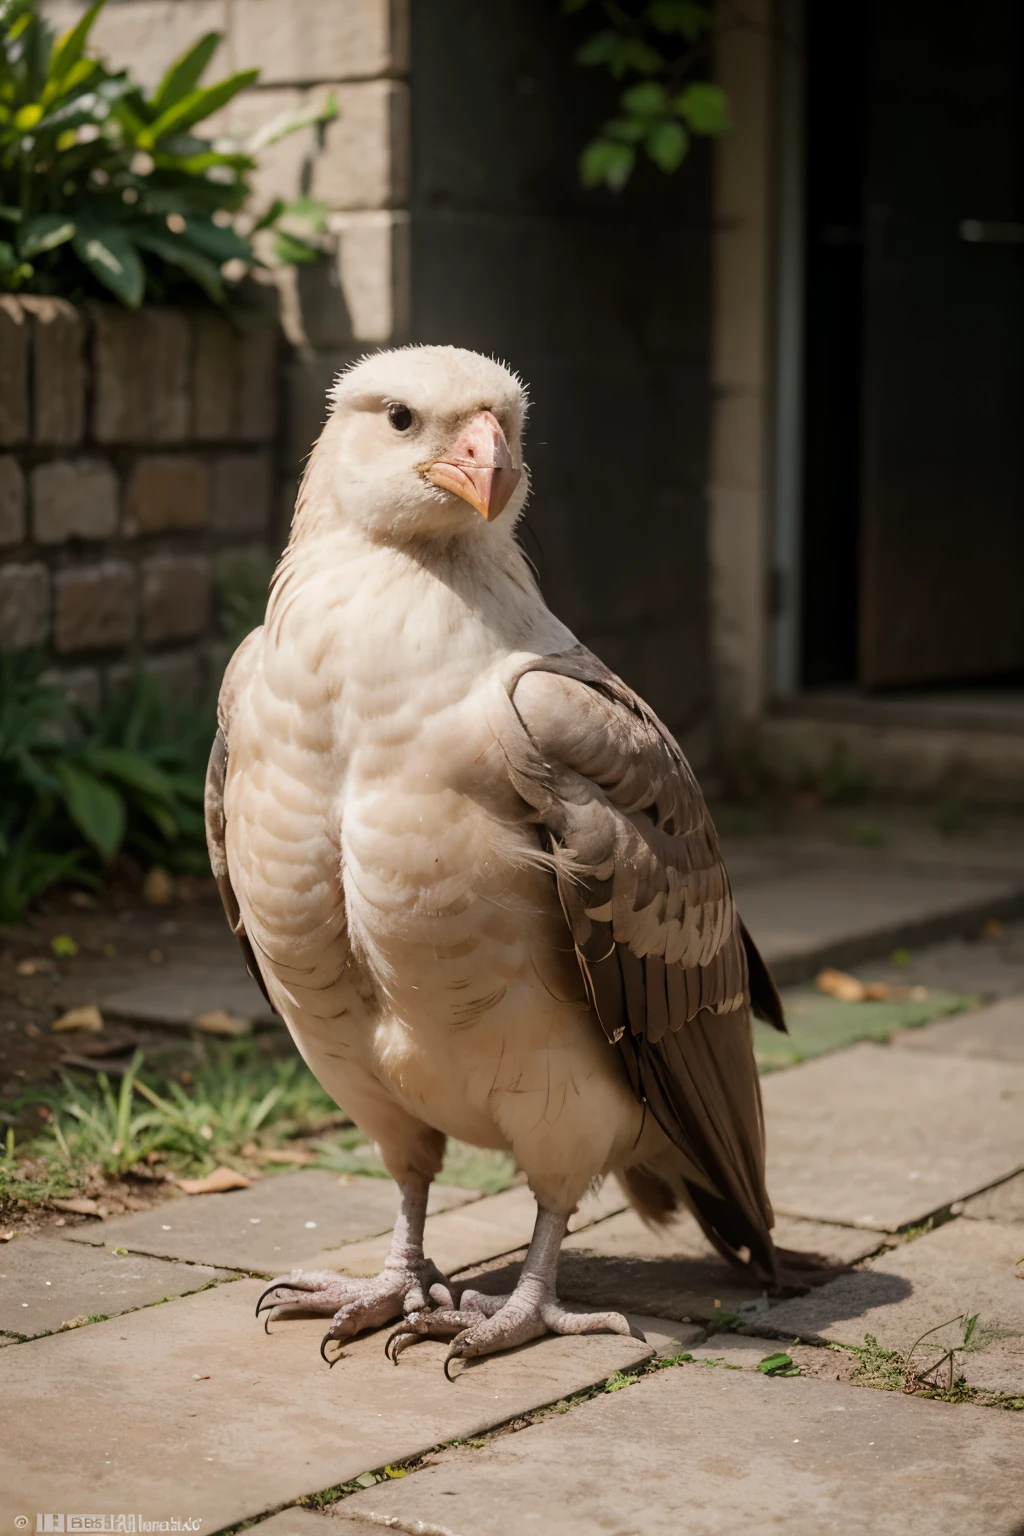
383, 866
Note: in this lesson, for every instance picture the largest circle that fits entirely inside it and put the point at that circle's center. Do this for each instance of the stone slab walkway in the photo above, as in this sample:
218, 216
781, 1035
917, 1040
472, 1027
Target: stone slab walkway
712, 1452
270, 1226
188, 1409
996, 1032
878, 1137
962, 1269
46, 1283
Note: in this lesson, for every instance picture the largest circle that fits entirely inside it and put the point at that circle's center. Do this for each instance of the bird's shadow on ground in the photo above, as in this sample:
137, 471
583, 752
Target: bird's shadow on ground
687, 1287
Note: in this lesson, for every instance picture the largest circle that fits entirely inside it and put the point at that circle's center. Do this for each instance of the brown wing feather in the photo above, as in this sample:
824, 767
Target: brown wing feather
216, 773
667, 962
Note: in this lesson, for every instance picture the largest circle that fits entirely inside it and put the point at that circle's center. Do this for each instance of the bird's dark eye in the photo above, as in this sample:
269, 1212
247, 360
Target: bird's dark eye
399, 416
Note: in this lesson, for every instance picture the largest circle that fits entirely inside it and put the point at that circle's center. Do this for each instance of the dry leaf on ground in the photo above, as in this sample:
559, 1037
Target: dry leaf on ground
214, 1183
294, 1156
219, 1022
34, 964
79, 1205
158, 887
842, 986
87, 1018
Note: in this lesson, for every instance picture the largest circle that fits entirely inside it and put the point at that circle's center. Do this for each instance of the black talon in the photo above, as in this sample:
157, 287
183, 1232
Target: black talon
398, 1333
323, 1350
448, 1360
279, 1285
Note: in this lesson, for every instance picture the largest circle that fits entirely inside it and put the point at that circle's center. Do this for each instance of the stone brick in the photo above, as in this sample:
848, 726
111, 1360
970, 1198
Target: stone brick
12, 500
74, 499
142, 363
58, 371
166, 491
80, 685
24, 606
14, 340
148, 34
214, 377
95, 607
362, 295
175, 597
359, 160
295, 42
242, 487
256, 401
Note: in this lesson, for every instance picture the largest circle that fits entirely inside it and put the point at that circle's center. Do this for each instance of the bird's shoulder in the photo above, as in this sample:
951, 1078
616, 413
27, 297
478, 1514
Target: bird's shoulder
238, 675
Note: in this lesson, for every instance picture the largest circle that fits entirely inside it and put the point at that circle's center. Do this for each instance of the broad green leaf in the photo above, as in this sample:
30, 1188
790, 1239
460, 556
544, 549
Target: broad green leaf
647, 100
219, 242
44, 233
10, 215
686, 17
174, 250
109, 252
97, 810
184, 74
607, 162
131, 768
8, 258
196, 106
28, 116
705, 107
628, 130
271, 216
292, 252
307, 114
69, 49
620, 54
667, 144
315, 213
778, 1365
76, 76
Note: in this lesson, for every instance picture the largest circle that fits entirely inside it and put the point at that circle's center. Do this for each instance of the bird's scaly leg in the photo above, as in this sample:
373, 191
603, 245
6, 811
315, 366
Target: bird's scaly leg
483, 1324
407, 1283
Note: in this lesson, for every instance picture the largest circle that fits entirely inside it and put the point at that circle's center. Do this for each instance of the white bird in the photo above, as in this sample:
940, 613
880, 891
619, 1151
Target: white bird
472, 870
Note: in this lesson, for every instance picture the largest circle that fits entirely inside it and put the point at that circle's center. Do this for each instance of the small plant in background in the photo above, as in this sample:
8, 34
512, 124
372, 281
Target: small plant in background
663, 42
927, 1376
242, 583
77, 789
106, 187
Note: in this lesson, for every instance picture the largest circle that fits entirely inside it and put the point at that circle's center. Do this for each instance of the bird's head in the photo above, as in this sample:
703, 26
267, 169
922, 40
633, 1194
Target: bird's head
425, 444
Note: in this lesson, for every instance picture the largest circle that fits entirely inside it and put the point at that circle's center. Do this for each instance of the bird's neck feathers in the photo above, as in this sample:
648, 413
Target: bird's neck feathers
478, 590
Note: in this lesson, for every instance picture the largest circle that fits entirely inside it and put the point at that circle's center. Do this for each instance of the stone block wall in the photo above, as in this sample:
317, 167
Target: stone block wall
136, 458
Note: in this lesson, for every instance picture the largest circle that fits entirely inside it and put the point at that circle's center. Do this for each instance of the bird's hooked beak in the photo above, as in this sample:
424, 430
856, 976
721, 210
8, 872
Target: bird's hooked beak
479, 467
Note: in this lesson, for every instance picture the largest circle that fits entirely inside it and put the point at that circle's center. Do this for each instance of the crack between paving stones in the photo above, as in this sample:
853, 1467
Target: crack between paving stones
110, 1317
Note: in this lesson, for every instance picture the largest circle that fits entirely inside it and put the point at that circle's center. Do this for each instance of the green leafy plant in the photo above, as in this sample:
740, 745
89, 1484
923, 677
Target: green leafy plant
663, 42
241, 588
76, 789
779, 1364
106, 187
94, 1125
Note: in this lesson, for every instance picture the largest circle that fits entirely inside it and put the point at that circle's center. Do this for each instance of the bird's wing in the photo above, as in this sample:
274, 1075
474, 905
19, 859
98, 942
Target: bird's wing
216, 775
667, 962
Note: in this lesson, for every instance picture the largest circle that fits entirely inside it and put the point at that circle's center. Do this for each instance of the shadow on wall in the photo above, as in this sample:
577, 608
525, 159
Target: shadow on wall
599, 301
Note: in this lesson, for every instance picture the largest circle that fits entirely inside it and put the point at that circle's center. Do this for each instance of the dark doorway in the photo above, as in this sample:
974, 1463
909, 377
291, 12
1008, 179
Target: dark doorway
913, 553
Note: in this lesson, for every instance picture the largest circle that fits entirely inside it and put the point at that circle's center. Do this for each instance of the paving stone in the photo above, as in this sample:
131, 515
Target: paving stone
460, 1239
674, 1272
840, 911
964, 1267
303, 1522
713, 1452
1003, 1203
184, 992
266, 1421
878, 1137
45, 1282
266, 1228
997, 1032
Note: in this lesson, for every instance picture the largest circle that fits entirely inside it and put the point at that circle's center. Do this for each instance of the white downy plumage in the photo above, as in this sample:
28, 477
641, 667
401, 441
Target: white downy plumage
390, 877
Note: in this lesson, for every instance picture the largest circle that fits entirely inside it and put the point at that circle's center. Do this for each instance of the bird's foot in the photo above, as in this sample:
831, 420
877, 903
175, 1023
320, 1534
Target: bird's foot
355, 1304
483, 1325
